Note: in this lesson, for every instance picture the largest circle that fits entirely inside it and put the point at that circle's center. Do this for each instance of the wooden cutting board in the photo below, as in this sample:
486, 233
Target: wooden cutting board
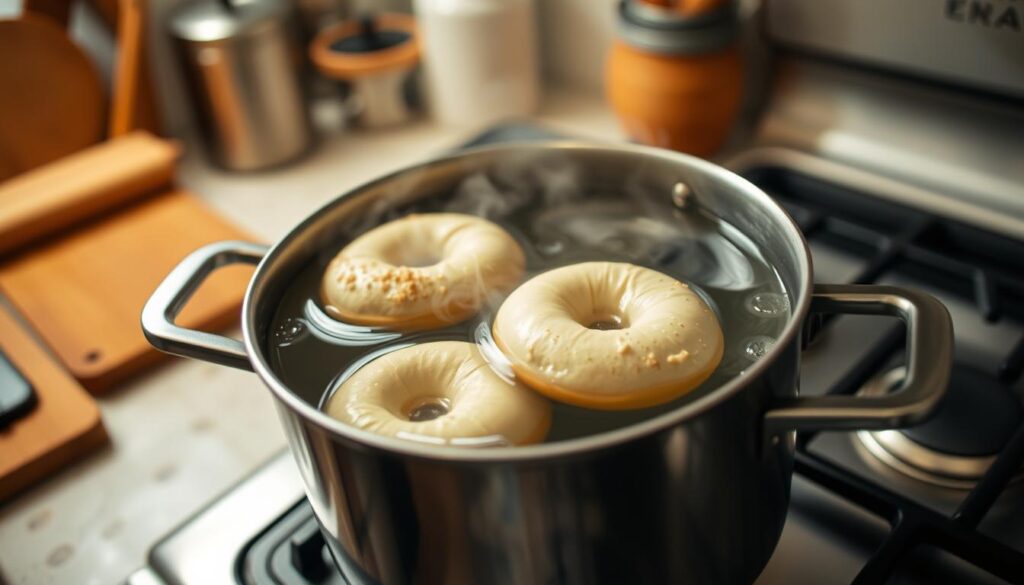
51, 101
84, 292
64, 425
49, 199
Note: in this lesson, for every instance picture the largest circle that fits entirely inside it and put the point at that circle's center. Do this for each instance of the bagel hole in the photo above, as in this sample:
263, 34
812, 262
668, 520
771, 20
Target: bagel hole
414, 258
420, 262
427, 408
606, 322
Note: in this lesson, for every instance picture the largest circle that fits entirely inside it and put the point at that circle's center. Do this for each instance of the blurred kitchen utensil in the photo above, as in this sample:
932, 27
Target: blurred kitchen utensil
375, 56
675, 81
82, 185
243, 65
133, 103
64, 425
480, 59
52, 100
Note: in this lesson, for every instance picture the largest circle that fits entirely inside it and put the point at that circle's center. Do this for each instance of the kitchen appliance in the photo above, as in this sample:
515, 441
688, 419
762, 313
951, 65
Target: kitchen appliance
243, 64
375, 58
897, 175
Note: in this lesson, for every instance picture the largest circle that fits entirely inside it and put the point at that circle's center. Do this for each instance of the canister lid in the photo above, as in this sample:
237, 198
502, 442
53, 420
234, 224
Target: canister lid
205, 21
367, 45
663, 30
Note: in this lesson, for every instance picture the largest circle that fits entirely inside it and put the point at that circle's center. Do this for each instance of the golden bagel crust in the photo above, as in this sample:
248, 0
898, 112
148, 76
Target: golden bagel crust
669, 343
377, 397
422, 271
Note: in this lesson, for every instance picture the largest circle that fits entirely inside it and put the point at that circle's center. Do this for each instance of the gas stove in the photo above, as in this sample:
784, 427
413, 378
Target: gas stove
893, 179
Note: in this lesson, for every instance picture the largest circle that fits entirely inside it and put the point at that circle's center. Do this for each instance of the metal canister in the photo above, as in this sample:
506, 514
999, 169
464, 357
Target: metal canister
243, 65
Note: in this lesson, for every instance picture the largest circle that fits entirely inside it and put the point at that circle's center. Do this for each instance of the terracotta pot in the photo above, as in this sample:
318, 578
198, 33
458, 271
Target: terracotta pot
683, 102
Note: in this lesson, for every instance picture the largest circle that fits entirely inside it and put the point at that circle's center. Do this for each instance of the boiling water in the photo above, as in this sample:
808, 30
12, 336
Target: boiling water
312, 353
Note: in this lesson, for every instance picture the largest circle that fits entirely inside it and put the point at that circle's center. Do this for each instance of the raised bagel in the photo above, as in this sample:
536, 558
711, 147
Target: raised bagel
440, 392
609, 336
421, 272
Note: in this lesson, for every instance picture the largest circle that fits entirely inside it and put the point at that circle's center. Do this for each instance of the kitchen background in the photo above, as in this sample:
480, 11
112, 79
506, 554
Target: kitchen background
574, 36
95, 521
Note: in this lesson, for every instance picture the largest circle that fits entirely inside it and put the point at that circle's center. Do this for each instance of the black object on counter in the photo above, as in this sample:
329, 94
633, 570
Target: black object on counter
16, 395
370, 38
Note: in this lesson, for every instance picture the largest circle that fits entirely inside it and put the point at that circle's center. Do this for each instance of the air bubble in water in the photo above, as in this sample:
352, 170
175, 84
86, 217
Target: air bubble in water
757, 347
768, 304
290, 331
550, 247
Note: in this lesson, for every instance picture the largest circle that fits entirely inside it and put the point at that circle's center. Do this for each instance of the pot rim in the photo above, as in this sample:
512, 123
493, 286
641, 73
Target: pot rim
558, 449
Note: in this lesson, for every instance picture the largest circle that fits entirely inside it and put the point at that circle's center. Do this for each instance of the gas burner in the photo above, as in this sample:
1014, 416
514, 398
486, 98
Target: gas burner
958, 444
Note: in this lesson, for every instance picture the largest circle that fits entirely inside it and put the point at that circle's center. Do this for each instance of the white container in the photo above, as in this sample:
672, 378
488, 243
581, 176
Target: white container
479, 59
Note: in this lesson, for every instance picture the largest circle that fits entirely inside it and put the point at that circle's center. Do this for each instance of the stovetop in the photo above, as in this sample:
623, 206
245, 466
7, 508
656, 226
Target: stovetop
937, 504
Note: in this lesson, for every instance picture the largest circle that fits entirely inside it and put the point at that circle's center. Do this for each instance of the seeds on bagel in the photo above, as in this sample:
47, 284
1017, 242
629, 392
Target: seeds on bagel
545, 329
421, 271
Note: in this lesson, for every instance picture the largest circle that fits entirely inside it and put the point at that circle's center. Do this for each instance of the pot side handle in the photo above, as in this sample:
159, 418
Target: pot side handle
929, 361
178, 287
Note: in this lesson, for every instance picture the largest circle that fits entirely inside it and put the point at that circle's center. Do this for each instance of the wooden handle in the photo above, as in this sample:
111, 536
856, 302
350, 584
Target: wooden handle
132, 103
79, 186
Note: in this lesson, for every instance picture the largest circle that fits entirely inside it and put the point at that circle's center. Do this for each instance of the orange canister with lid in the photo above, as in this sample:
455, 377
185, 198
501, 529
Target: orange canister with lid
676, 80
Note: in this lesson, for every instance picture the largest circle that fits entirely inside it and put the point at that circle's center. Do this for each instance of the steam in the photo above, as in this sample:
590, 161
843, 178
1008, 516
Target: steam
567, 216
513, 184
694, 248
566, 213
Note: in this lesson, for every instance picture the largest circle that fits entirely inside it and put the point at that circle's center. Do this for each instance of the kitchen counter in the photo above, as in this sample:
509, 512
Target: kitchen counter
187, 431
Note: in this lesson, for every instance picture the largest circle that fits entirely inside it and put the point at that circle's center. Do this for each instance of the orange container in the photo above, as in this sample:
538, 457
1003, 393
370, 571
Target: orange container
686, 103
676, 95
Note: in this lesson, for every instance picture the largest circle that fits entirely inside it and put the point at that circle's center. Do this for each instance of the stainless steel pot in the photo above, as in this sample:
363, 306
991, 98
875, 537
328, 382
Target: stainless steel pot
696, 495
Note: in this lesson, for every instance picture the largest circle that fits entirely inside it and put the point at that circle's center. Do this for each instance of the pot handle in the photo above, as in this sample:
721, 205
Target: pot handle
929, 360
178, 287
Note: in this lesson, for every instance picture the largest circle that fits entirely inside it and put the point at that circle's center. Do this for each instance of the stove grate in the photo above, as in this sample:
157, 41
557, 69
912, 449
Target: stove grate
984, 268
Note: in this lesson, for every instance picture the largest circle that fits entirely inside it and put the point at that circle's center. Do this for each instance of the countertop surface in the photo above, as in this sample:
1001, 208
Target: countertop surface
188, 430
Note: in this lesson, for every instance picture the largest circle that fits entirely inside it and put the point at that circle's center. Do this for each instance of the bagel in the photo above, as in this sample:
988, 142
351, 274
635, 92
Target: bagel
421, 272
440, 392
609, 336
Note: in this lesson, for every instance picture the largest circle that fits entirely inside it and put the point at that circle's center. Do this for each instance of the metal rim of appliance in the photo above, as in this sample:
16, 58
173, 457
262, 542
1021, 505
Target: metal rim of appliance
913, 459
